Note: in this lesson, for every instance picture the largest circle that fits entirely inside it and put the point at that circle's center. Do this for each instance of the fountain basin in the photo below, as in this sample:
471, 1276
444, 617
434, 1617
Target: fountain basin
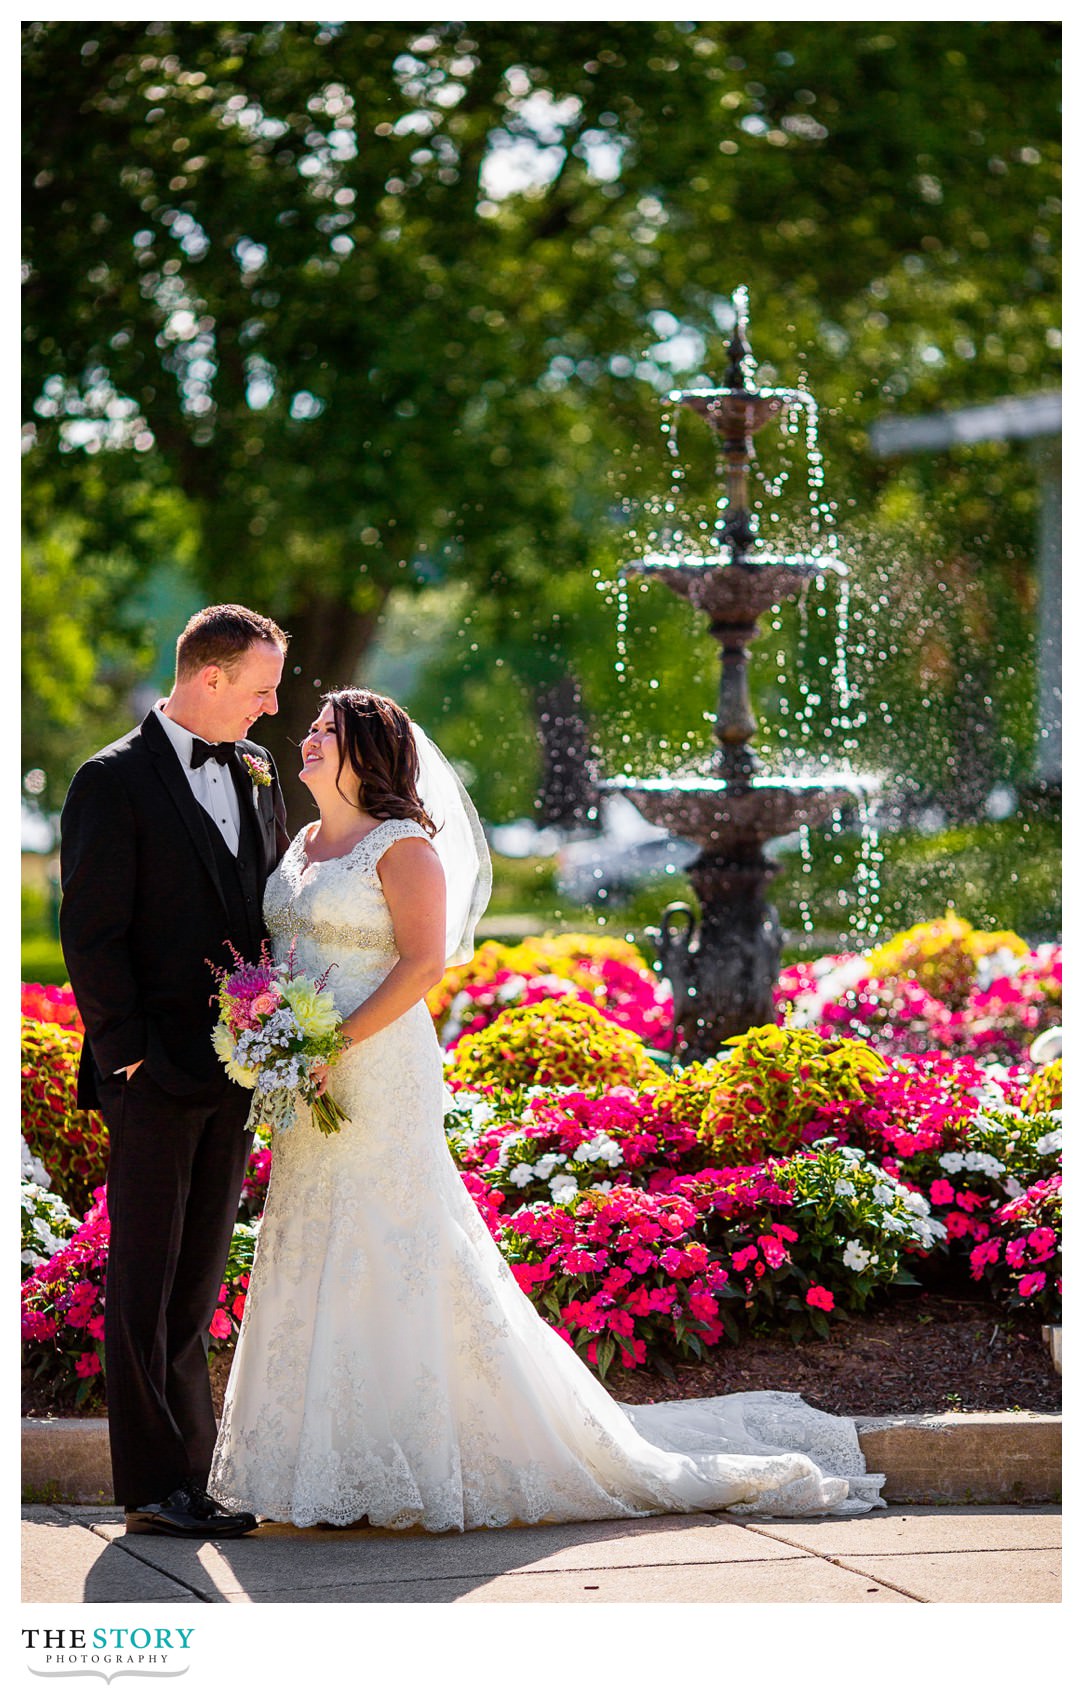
717, 813
732, 588
737, 412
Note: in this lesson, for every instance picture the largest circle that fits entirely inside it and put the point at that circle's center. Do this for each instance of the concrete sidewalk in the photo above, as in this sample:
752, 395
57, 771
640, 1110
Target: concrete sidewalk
902, 1555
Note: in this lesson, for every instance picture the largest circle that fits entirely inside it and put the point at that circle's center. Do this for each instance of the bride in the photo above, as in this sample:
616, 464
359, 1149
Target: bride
388, 1366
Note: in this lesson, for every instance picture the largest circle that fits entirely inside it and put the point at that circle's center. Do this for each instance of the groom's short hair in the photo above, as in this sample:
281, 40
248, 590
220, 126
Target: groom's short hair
221, 636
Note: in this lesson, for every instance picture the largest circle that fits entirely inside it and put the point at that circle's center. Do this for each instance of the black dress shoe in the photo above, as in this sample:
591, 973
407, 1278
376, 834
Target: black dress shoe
190, 1513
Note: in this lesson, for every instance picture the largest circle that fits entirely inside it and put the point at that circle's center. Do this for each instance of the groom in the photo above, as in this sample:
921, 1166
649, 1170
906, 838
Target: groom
167, 839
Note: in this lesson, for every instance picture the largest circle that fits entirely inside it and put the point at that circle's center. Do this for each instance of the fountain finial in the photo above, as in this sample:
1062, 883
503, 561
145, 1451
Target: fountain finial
740, 372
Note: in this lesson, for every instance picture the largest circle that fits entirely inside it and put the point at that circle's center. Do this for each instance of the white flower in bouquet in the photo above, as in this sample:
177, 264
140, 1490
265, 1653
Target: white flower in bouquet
225, 1047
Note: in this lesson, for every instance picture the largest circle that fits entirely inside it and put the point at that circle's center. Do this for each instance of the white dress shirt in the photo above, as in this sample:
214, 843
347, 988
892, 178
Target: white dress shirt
212, 784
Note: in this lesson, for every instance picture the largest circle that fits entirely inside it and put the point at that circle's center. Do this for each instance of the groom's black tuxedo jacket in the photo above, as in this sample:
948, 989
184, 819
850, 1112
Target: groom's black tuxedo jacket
151, 894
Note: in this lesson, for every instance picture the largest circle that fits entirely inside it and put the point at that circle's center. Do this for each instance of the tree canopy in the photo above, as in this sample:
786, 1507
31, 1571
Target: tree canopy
391, 305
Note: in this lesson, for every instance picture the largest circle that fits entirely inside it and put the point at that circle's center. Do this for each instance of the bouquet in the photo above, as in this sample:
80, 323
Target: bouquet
274, 1024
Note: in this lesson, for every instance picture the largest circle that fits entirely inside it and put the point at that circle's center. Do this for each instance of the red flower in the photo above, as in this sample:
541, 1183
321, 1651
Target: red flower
221, 1326
89, 1364
821, 1298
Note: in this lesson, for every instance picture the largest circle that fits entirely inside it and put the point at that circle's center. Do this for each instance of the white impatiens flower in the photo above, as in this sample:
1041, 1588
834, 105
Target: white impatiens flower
1048, 1143
521, 1175
951, 1161
546, 1163
983, 1163
882, 1193
32, 1169
482, 1111
856, 1257
914, 1201
563, 1188
845, 1189
1013, 1188
600, 1149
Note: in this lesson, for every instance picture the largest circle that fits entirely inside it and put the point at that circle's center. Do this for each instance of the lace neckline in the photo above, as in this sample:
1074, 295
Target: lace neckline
325, 861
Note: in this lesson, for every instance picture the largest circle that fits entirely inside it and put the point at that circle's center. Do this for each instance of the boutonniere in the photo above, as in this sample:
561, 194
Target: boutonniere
258, 771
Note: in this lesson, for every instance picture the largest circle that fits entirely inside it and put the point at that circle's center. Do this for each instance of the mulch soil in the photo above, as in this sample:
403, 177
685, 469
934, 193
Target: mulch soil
922, 1352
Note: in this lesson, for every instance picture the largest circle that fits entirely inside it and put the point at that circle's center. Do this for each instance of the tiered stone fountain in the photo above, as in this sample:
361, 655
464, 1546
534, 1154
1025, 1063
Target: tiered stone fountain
723, 968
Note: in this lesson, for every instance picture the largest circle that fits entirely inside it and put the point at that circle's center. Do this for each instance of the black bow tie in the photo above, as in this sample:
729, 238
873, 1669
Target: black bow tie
202, 751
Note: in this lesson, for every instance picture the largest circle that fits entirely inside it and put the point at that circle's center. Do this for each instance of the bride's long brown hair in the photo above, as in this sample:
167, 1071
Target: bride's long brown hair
375, 739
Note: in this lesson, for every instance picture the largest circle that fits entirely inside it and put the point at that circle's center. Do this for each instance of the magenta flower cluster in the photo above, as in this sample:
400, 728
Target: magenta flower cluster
63, 1315
838, 995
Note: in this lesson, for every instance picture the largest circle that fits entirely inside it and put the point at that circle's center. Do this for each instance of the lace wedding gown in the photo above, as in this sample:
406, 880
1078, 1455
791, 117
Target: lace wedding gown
388, 1364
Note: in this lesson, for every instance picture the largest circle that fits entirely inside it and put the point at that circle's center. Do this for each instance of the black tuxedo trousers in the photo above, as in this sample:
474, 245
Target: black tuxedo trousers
152, 897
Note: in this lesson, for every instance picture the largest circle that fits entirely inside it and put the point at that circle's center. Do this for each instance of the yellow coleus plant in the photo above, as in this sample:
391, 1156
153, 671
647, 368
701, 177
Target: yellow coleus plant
942, 955
555, 1042
1044, 1089
758, 1098
570, 956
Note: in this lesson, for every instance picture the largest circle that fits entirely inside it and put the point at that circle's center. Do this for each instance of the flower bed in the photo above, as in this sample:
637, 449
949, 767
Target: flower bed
654, 1212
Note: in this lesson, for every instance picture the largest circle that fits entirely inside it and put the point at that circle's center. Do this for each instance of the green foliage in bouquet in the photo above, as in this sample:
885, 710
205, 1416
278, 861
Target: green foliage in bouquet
73, 1144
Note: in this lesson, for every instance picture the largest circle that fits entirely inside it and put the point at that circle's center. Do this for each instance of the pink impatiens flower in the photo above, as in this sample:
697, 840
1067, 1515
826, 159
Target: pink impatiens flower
821, 1298
1031, 1284
90, 1363
1043, 1243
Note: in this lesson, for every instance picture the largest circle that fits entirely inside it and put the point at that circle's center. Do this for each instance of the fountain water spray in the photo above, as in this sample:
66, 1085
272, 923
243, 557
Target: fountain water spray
723, 968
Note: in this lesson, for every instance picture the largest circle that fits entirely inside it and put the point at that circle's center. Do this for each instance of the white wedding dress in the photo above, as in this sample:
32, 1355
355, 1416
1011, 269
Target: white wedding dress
388, 1364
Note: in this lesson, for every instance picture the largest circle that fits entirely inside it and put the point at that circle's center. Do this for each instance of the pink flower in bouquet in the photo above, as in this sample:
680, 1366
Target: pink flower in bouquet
265, 1003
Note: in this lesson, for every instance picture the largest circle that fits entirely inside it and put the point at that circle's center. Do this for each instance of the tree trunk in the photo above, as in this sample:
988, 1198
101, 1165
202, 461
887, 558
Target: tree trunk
328, 641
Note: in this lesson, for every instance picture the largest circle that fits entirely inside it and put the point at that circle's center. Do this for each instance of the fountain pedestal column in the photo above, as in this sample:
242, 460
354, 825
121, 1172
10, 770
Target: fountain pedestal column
722, 972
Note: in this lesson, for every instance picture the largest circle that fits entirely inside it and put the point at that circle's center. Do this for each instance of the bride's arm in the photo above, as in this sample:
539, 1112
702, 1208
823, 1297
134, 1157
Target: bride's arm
413, 883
